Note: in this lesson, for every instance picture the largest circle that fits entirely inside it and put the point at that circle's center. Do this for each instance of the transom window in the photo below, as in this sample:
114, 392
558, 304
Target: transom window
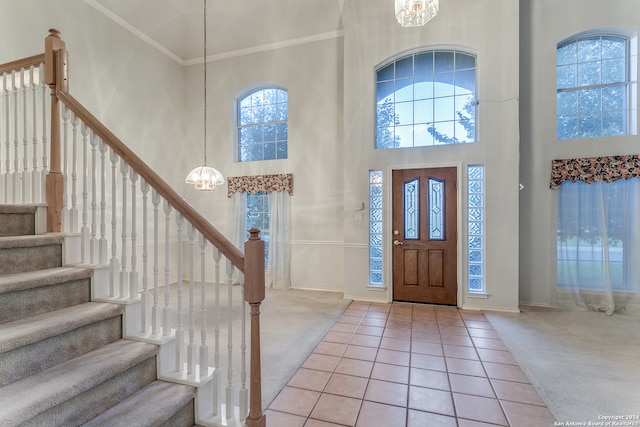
426, 98
262, 127
593, 87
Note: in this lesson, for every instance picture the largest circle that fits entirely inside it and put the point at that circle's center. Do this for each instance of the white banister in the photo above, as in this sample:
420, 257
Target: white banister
145, 315
124, 276
114, 264
179, 312
16, 148
85, 234
191, 347
94, 246
166, 311
155, 311
65, 170
133, 274
25, 192
103, 204
229, 389
204, 352
217, 256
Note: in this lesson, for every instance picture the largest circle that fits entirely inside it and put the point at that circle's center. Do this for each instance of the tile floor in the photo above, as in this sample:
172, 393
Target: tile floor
409, 365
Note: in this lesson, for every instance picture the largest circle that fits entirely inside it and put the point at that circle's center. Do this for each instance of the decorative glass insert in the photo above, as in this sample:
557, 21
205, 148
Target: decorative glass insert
593, 84
375, 228
262, 125
436, 209
426, 98
258, 216
411, 209
475, 232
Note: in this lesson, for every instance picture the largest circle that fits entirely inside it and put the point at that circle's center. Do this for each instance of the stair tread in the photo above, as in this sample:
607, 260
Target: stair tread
22, 400
33, 279
144, 405
11, 209
31, 240
36, 328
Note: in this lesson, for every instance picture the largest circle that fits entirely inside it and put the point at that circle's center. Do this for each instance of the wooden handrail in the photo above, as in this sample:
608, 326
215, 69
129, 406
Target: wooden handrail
210, 233
23, 63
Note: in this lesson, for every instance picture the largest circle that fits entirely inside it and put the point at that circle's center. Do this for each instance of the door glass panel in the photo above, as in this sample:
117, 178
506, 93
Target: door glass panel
411, 209
436, 209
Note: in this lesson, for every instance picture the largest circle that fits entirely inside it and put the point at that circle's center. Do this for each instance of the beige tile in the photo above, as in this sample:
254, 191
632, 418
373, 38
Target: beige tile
393, 357
295, 401
496, 356
321, 362
427, 337
380, 415
309, 379
386, 392
427, 326
453, 330
453, 321
430, 379
523, 415
281, 419
489, 343
330, 348
380, 308
423, 347
398, 324
337, 409
501, 371
370, 330
403, 334
430, 400
478, 324
365, 340
339, 337
465, 367
354, 320
358, 368
425, 419
479, 409
471, 385
517, 392
374, 322
393, 373
482, 333
347, 385
344, 327
360, 353
457, 340
460, 352
395, 344
470, 423
426, 361
318, 423
376, 314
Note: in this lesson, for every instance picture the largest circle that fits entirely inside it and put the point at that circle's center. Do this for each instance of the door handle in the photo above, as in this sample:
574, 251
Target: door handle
398, 242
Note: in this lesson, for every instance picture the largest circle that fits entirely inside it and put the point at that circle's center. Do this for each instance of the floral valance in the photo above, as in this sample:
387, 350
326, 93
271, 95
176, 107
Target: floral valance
592, 169
260, 183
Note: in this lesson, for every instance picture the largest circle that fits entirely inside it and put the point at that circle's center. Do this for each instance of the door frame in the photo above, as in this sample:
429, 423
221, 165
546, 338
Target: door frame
387, 225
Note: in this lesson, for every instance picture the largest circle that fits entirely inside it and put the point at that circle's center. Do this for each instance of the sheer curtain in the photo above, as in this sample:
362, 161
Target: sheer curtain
279, 261
597, 244
238, 225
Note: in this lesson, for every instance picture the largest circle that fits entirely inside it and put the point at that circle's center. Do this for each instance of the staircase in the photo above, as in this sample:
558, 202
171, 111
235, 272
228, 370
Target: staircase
63, 361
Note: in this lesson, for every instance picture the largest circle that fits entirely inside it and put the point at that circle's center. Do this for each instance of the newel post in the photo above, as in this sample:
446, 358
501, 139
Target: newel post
254, 295
55, 75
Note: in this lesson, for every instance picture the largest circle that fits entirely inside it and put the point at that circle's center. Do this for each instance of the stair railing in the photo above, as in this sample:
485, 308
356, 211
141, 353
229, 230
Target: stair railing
100, 194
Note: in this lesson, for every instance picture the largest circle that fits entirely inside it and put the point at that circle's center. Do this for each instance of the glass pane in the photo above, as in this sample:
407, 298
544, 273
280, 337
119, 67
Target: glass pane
475, 256
444, 109
404, 136
423, 87
475, 228
282, 150
613, 47
404, 113
404, 67
422, 137
475, 172
384, 92
269, 151
614, 70
404, 90
589, 125
423, 64
385, 73
423, 111
475, 186
464, 61
567, 127
567, 54
567, 103
613, 97
411, 209
589, 100
589, 49
444, 85
465, 82
567, 76
589, 73
375, 252
436, 209
613, 123
443, 61
475, 201
475, 270
475, 242
476, 284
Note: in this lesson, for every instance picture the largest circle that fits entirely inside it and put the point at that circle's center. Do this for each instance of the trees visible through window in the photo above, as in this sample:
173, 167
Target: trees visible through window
593, 87
426, 98
262, 125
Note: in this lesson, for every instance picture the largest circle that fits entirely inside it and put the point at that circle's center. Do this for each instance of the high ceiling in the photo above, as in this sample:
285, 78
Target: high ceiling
175, 27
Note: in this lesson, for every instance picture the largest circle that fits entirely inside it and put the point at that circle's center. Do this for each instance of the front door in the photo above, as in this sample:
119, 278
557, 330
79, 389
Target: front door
424, 235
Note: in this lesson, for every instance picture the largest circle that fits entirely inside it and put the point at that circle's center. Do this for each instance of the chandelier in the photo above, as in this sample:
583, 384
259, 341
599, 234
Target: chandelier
414, 13
205, 178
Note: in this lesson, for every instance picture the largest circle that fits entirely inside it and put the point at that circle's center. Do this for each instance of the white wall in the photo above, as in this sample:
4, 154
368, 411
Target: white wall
544, 24
488, 29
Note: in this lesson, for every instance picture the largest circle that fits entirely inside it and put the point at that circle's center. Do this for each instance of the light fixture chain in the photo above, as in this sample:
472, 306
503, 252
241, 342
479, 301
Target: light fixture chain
204, 60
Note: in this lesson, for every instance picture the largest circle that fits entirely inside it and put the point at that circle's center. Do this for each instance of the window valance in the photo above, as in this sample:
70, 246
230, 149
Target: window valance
260, 183
592, 169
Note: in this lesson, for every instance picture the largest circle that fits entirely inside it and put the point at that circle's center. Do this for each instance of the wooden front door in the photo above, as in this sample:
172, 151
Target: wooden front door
424, 235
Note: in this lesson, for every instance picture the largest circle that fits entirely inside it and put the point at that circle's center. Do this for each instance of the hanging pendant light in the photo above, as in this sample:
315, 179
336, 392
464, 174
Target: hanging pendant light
205, 178
414, 13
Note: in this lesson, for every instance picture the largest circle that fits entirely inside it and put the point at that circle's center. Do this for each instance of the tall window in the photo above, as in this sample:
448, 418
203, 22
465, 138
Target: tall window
426, 98
258, 217
594, 82
475, 221
262, 127
375, 228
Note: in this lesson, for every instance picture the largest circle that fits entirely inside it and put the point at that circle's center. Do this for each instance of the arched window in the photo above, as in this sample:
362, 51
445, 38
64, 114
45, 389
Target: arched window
594, 80
426, 98
261, 121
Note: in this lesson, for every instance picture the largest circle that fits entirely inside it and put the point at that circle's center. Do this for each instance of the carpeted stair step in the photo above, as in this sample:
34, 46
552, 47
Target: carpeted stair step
158, 404
28, 253
37, 343
40, 291
17, 220
78, 390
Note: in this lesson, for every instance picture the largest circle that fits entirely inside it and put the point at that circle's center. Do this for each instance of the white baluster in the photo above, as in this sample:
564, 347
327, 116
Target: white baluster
85, 234
124, 276
115, 265
74, 177
133, 274
146, 302
36, 175
8, 186
3, 175
191, 348
25, 192
93, 240
155, 312
65, 170
217, 384
17, 193
229, 396
244, 391
204, 363
166, 312
103, 249
179, 322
